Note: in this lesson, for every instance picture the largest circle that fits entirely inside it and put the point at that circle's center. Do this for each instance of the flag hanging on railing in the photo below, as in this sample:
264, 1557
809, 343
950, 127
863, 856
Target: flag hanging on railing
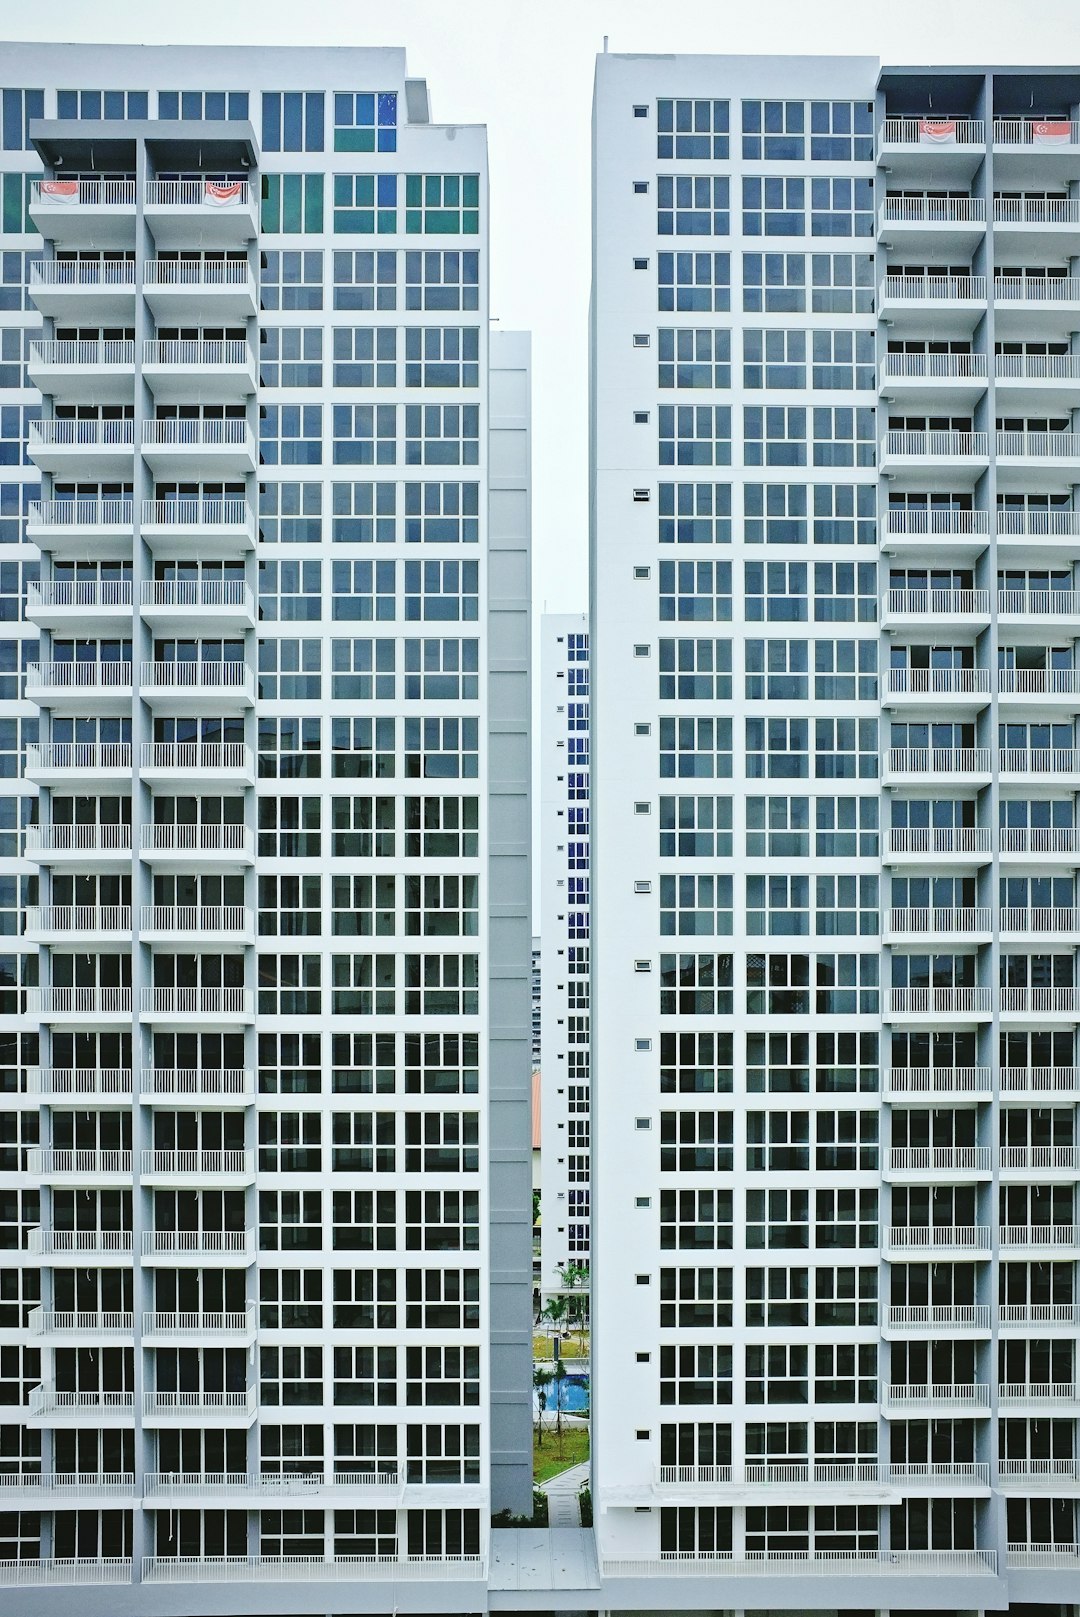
1051, 132
937, 131
221, 194
58, 190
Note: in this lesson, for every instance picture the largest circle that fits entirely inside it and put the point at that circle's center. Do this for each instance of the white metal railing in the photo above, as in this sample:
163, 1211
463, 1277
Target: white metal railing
94, 273
196, 193
1039, 681
83, 757
939, 760
65, 1573
204, 593
802, 1563
694, 1475
1039, 1314
79, 514
1048, 1470
940, 1001
75, 1082
196, 352
197, 1002
195, 918
939, 1158
934, 288
951, 839
1040, 603
1039, 760
202, 1402
53, 1321
1014, 522
939, 1080
79, 1001
193, 511
946, 444
1030, 1158
208, 273
938, 603
183, 1484
96, 1482
1043, 1557
933, 367
197, 1082
96, 351
1037, 367
86, 193
1038, 1080
191, 1324
200, 432
197, 1163
962, 1472
932, 210
1037, 445
78, 918
47, 1400
1039, 839
198, 1243
1021, 1391
202, 838
45, 1243
930, 1316
923, 1237
933, 132
945, 521
818, 1472
974, 1393
1036, 288
88, 676
1049, 920
1041, 1000
312, 1568
196, 676
1035, 132
78, 592
95, 838
45, 1161
931, 922
188, 755
66, 434
1056, 1235
939, 681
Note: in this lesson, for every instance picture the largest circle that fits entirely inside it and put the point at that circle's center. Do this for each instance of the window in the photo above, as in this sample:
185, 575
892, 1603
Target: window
844, 436
442, 985
15, 217
442, 435
442, 356
777, 1219
698, 747
775, 358
442, 204
362, 749
365, 1299
696, 357
365, 434
778, 1063
845, 749
365, 122
442, 1299
442, 280
290, 1376
363, 906
365, 1376
773, 130
692, 205
845, 1373
841, 207
364, 513
15, 266
290, 280
844, 513
773, 206
364, 984
201, 105
842, 359
696, 985
103, 104
363, 670
695, 906
777, 1297
845, 670
289, 985
774, 513
442, 670
776, 670
696, 1142
442, 513
777, 906
290, 906
442, 1454
774, 435
289, 670
442, 591
695, 827
775, 591
364, 1220
441, 827
17, 107
365, 280
364, 1063
774, 283
363, 827
776, 1373
691, 129
695, 1375
845, 1297
693, 283
290, 356
442, 1220
842, 283
289, 1063
291, 434
290, 592
695, 513
363, 1142
695, 670
290, 513
290, 748
696, 1063
695, 591
292, 121
442, 1142
290, 1220
841, 131
692, 1298
292, 204
364, 592
365, 204
290, 1299
696, 1220
365, 356
695, 434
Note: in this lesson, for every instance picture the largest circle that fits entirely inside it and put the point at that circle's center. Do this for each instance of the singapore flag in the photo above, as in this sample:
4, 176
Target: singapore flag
222, 194
1051, 132
937, 131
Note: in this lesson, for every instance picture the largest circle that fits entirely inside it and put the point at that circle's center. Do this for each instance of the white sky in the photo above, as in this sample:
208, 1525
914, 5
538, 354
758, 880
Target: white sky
526, 71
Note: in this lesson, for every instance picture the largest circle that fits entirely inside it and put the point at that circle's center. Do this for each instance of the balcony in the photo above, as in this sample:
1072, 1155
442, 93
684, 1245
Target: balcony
63, 603
222, 1249
1034, 307
166, 1489
1060, 1394
88, 846
947, 765
953, 1163
928, 1477
1057, 606
220, 603
78, 1166
81, 1007
871, 1564
967, 844
231, 1329
779, 1483
202, 926
935, 459
1032, 764
181, 1007
932, 532
245, 1569
214, 213
78, 923
1027, 381
919, 1084
81, 1086
937, 687
88, 1248
1039, 841
105, 1408
92, 372
196, 1169
190, 1408
64, 1574
1040, 1161
87, 450
1048, 923
87, 687
197, 527
190, 290
1059, 1082
1058, 687
1022, 1239
174, 846
46, 1489
972, 1397
81, 528
932, 305
958, 925
936, 136
197, 765
214, 371
918, 1241
928, 221
1023, 1003
81, 1328
941, 379
1047, 1476
96, 766
218, 1087
1030, 531
956, 609
1026, 459
84, 213
198, 448
1038, 1316
85, 292
197, 687
939, 1004
957, 1319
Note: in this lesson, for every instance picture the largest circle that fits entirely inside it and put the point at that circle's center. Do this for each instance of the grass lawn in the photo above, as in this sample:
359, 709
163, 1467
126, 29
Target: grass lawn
556, 1454
576, 1348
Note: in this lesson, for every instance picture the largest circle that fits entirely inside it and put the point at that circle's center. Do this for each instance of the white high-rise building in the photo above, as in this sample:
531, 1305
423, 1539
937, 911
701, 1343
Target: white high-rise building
564, 945
264, 484
835, 532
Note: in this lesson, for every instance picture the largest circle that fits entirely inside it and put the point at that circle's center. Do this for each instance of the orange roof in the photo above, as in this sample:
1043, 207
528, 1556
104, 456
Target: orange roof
536, 1111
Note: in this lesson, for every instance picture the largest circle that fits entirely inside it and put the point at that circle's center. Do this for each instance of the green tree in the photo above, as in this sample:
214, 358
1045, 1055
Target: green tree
541, 1377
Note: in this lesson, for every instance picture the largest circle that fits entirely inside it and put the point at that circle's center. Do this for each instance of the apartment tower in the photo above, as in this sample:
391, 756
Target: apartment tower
264, 479
835, 527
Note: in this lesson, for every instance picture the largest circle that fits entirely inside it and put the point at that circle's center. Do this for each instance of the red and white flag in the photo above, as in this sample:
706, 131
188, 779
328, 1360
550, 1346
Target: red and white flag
222, 195
1051, 132
64, 191
937, 131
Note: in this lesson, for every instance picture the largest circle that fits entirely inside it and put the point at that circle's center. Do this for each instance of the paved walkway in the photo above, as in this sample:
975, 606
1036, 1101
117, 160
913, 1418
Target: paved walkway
562, 1495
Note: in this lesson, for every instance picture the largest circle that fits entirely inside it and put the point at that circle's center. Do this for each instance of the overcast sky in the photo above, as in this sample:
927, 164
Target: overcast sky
526, 71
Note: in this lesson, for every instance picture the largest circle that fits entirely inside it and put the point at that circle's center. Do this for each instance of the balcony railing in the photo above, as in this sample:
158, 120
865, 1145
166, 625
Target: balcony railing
94, 352
72, 676
927, 1237
1040, 603
203, 1402
933, 133
939, 1159
1039, 1080
1039, 760
197, 1002
916, 521
185, 1484
191, 511
208, 1244
64, 1573
1040, 133
201, 432
102, 1484
1037, 445
957, 1473
935, 1316
975, 1394
196, 1082
312, 1568
86, 758
79, 514
1043, 1557
940, 444
106, 837
204, 838
211, 677
191, 755
938, 681
1039, 1314
210, 274
1030, 1158
197, 592
79, 1083
79, 1001
196, 353
85, 593
934, 922
236, 1322
1036, 211
1037, 367
47, 1162
173, 918
1036, 288
45, 1243
60, 1322
1053, 1235
933, 368
1022, 1392
197, 193
86, 193
1040, 1000
939, 1080
65, 434
1017, 523
1047, 1471
938, 603
1039, 681
947, 839
932, 210
46, 1400
940, 1001
801, 1563
114, 918
91, 273
1040, 920
939, 760
198, 1164
934, 288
